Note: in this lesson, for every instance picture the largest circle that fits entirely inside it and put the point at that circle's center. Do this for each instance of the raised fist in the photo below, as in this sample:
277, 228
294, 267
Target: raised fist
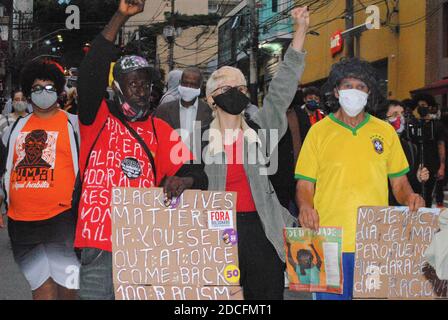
130, 8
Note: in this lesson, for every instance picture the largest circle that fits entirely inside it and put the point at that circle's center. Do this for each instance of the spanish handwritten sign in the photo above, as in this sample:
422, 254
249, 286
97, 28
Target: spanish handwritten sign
390, 247
185, 251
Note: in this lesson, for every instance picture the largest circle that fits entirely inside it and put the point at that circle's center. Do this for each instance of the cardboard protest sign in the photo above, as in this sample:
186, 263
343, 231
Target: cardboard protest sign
185, 251
390, 247
314, 259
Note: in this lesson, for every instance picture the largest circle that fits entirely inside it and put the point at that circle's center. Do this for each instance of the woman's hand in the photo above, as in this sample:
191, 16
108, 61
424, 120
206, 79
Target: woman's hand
301, 18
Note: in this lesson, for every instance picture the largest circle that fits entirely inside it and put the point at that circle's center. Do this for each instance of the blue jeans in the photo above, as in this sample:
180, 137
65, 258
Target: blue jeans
95, 276
348, 265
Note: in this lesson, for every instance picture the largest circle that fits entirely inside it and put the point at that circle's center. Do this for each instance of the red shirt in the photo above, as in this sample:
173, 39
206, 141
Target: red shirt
118, 160
236, 180
316, 117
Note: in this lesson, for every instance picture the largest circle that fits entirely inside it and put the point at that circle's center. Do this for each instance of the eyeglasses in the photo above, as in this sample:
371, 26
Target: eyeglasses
39, 89
241, 88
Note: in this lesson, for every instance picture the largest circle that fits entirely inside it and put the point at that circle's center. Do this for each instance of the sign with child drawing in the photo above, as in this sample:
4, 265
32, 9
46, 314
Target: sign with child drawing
314, 259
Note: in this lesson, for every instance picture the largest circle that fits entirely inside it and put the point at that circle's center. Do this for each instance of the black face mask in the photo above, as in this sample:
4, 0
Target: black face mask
423, 112
232, 101
312, 105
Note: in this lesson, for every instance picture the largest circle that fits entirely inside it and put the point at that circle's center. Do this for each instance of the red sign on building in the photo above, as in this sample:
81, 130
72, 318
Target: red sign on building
337, 43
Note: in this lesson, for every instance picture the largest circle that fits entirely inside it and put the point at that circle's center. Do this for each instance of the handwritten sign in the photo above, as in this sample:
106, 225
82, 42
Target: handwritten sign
179, 252
390, 262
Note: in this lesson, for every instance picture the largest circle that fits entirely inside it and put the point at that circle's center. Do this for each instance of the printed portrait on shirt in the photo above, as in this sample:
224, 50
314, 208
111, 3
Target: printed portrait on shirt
36, 157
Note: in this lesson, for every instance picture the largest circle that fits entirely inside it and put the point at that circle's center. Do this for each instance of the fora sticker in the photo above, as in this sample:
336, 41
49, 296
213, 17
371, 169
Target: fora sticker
131, 168
220, 219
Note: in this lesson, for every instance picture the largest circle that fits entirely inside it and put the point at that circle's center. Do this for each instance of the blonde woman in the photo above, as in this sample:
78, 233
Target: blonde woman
234, 162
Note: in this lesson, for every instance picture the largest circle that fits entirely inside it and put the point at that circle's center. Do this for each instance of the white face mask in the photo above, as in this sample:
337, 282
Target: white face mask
19, 106
189, 94
44, 100
353, 101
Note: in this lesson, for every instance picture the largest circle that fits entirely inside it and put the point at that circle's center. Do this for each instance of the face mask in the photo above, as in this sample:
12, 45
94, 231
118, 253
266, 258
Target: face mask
233, 101
189, 94
312, 105
44, 100
353, 101
20, 106
423, 111
130, 111
399, 124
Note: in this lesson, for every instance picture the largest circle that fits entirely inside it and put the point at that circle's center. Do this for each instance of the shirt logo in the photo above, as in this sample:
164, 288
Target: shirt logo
131, 168
378, 145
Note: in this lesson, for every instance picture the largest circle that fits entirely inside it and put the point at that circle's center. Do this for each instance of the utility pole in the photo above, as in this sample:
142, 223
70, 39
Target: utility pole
10, 47
349, 24
253, 55
171, 39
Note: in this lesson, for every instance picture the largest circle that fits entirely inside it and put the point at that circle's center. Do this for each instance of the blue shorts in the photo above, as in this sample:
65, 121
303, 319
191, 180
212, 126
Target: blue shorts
348, 265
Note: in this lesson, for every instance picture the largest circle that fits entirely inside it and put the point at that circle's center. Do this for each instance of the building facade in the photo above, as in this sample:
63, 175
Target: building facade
21, 36
437, 50
400, 49
193, 46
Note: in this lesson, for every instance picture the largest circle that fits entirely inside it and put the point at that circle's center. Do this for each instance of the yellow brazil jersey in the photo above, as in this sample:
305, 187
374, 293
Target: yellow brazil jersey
350, 167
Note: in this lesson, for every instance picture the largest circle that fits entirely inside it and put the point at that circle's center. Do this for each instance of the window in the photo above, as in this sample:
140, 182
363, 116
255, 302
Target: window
274, 5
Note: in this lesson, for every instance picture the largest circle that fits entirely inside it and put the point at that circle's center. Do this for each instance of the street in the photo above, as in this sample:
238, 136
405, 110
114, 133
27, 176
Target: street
13, 285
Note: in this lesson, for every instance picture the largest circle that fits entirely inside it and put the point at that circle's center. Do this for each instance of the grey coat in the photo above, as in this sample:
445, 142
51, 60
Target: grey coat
274, 217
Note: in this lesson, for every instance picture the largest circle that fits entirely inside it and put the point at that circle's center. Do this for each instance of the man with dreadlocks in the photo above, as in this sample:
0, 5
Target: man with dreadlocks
346, 160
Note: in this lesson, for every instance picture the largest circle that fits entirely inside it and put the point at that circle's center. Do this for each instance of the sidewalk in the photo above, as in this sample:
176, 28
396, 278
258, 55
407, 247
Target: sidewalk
13, 285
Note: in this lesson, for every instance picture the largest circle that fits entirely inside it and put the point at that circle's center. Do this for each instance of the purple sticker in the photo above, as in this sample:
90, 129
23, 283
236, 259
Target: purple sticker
171, 203
175, 202
230, 236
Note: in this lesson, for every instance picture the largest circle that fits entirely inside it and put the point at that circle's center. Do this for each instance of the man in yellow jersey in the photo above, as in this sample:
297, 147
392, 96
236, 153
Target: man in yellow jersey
346, 160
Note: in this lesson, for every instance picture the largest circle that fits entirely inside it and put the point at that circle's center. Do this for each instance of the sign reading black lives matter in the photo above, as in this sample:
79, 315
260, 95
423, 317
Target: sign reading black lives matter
390, 247
187, 251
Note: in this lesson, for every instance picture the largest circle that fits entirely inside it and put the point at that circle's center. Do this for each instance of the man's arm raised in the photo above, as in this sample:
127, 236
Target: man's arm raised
94, 70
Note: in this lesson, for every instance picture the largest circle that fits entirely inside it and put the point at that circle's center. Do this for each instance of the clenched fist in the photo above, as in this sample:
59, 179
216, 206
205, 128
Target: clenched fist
130, 8
301, 17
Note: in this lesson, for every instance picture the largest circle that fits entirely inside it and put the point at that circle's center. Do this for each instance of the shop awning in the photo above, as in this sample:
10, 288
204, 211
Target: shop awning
436, 89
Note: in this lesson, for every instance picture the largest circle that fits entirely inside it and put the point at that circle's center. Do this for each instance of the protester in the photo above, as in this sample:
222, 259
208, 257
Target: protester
172, 87
19, 106
41, 165
434, 153
183, 113
310, 112
346, 160
231, 143
392, 111
121, 146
